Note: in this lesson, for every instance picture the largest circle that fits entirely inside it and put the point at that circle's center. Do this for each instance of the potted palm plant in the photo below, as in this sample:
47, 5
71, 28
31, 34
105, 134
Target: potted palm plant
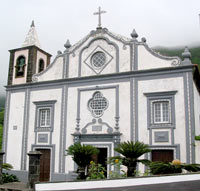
82, 155
130, 153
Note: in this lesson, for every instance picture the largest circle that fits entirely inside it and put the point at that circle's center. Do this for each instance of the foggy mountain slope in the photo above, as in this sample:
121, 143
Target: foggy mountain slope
173, 51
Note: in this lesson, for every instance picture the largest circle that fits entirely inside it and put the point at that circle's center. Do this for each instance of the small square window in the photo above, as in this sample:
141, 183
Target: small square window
161, 109
44, 115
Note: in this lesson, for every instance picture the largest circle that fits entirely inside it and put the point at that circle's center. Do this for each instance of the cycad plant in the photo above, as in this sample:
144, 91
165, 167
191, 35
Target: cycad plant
82, 155
131, 152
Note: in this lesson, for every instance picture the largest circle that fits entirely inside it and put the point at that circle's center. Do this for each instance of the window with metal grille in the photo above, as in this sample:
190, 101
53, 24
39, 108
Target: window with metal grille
161, 111
98, 60
97, 104
44, 114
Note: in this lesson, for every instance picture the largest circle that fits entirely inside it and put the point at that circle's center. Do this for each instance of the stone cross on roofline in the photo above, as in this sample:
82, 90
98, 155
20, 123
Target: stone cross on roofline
99, 13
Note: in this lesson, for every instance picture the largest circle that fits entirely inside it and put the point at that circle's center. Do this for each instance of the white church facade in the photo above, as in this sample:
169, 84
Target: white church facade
103, 90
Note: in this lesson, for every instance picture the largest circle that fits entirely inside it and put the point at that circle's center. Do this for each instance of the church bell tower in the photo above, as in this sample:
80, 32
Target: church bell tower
27, 60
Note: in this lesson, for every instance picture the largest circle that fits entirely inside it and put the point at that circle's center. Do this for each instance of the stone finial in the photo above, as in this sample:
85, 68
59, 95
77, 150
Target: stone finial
186, 56
32, 24
59, 52
186, 53
67, 45
143, 39
134, 34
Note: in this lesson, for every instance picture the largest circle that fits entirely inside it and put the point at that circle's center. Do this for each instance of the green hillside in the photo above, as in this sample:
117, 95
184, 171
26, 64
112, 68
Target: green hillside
195, 51
2, 102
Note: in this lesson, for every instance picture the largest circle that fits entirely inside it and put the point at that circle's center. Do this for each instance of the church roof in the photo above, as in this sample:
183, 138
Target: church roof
31, 38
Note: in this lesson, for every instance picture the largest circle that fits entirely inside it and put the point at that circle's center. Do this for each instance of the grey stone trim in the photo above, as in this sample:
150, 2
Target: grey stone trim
107, 78
35, 76
98, 127
116, 87
11, 68
154, 96
99, 38
93, 33
63, 127
6, 124
175, 148
187, 128
131, 57
131, 110
79, 44
175, 58
125, 42
42, 138
90, 56
192, 116
135, 66
66, 65
43, 104
189, 117
161, 136
136, 110
25, 130
52, 161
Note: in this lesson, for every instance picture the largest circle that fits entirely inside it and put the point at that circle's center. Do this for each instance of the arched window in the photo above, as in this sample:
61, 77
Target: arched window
41, 65
20, 66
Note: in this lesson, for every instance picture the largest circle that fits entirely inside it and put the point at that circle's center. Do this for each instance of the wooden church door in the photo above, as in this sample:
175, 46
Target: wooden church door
44, 164
162, 155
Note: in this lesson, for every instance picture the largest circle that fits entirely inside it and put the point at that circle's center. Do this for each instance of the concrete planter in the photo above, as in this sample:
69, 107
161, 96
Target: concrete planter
117, 183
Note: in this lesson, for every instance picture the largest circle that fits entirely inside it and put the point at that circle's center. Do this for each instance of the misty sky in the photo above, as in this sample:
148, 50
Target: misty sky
162, 22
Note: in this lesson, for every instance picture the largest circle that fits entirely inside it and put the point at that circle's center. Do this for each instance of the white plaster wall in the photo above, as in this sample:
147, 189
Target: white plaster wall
54, 71
147, 60
196, 109
162, 85
20, 80
43, 56
16, 118
108, 117
46, 95
197, 152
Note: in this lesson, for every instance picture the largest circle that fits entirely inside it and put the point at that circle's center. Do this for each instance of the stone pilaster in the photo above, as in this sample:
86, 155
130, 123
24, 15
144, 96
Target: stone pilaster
34, 168
1, 163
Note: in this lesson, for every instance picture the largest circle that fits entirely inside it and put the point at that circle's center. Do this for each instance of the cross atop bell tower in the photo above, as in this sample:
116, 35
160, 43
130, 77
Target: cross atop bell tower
99, 14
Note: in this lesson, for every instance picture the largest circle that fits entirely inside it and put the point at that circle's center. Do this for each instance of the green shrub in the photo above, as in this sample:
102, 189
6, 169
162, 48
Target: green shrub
164, 168
169, 168
82, 155
9, 178
197, 138
117, 173
130, 154
96, 171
